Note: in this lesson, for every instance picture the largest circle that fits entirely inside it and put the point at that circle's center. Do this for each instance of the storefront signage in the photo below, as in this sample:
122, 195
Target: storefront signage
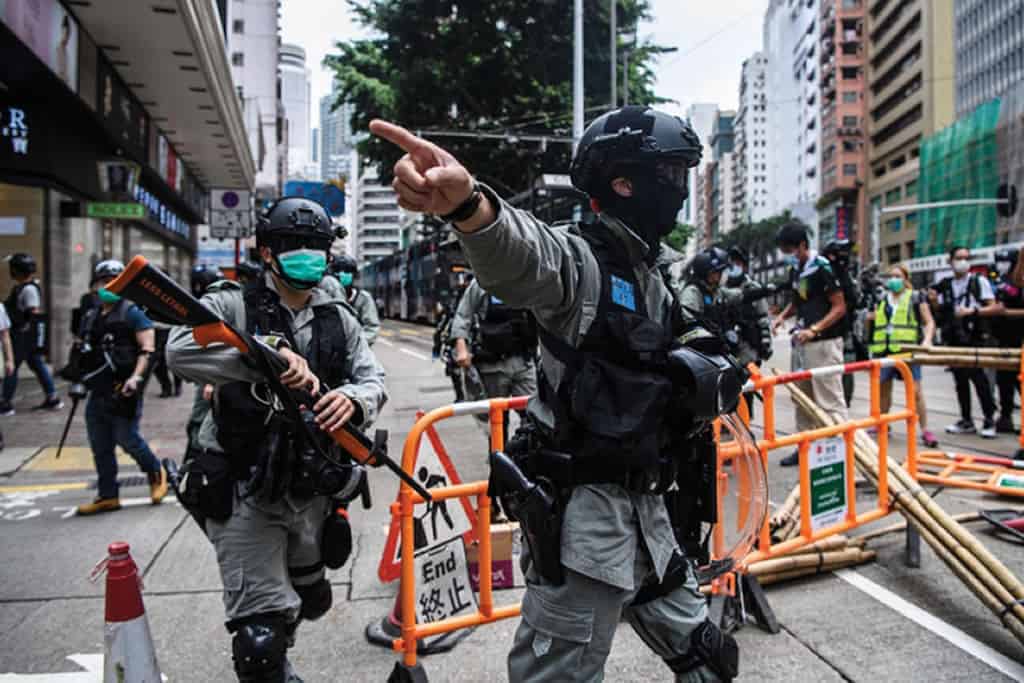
115, 210
49, 31
122, 114
159, 213
14, 129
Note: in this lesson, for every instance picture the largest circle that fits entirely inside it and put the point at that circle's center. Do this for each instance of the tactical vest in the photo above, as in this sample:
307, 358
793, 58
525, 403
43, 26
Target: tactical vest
505, 331
19, 318
967, 331
237, 411
902, 328
611, 407
112, 337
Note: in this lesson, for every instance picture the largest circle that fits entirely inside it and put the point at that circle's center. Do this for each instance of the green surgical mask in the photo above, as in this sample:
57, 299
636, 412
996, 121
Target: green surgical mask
345, 279
303, 268
107, 297
895, 284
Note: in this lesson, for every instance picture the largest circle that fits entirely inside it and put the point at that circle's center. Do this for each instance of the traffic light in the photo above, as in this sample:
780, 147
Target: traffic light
1008, 192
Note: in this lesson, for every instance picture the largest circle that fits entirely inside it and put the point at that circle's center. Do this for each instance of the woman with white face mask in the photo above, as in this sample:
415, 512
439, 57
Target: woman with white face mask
963, 303
902, 317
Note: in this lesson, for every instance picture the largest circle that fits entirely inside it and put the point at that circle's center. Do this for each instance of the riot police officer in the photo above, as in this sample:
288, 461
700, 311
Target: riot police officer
499, 340
261, 490
753, 322
1008, 329
117, 341
345, 270
838, 251
602, 436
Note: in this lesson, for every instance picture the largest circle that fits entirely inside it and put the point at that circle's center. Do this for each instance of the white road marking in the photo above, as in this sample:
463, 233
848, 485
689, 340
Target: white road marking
385, 342
968, 644
92, 663
410, 352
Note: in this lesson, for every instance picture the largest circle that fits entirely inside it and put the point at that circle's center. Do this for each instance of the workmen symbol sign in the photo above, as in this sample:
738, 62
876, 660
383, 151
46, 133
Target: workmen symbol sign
432, 509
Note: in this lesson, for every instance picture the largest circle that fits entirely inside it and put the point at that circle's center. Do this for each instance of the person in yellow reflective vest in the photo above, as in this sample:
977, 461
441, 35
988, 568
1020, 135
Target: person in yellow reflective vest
902, 317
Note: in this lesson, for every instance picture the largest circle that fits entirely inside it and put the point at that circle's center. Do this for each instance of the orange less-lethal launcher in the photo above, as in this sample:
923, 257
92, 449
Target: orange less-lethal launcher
169, 302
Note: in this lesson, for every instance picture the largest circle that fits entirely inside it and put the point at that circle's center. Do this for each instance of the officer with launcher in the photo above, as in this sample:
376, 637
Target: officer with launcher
270, 495
608, 428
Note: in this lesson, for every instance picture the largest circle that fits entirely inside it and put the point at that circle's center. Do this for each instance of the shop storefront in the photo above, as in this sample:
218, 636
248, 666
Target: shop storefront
63, 110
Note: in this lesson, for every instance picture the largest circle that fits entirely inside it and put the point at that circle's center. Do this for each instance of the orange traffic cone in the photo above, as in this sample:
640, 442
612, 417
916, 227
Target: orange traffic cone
128, 652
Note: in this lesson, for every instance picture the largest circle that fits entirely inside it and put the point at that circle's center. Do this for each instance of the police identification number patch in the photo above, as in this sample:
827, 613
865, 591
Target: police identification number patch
623, 293
496, 301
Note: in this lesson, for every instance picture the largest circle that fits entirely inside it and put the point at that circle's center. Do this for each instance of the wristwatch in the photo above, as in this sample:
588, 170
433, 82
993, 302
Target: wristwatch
465, 210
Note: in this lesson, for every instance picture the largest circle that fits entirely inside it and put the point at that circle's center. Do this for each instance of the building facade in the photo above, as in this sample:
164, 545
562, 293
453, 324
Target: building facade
807, 71
989, 41
109, 143
842, 209
295, 98
336, 139
377, 218
702, 119
720, 212
252, 36
750, 187
910, 95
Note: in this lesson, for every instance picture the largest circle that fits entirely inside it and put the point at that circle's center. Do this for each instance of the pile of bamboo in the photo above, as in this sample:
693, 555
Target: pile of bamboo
829, 554
969, 357
988, 578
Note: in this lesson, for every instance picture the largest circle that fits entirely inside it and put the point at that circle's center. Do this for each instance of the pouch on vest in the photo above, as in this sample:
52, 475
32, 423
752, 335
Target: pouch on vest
207, 485
336, 540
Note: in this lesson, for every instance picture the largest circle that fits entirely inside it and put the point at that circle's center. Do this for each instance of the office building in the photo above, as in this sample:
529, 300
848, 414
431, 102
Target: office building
336, 139
910, 88
989, 41
377, 218
702, 119
720, 212
295, 98
750, 177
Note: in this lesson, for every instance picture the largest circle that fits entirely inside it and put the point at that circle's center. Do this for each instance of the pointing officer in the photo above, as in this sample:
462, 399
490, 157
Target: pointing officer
607, 324
345, 271
268, 494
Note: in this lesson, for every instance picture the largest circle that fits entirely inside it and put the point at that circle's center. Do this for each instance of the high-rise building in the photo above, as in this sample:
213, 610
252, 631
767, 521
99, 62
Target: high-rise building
251, 31
910, 95
295, 97
750, 177
702, 119
807, 70
720, 213
377, 218
843, 204
336, 139
314, 150
989, 50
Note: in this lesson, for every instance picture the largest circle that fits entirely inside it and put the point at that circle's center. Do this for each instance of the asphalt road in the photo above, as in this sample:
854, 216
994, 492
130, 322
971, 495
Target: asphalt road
881, 621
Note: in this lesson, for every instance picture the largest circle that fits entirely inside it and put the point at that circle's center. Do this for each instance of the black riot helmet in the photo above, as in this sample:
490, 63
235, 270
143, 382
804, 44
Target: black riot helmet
297, 227
247, 271
838, 250
344, 264
104, 270
712, 260
202, 277
738, 253
1006, 254
628, 136
22, 265
654, 152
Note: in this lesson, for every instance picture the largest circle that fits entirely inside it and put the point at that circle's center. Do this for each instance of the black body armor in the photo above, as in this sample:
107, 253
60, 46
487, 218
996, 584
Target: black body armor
505, 331
109, 342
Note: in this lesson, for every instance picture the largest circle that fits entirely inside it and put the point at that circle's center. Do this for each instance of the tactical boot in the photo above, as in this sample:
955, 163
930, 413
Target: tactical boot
157, 485
99, 505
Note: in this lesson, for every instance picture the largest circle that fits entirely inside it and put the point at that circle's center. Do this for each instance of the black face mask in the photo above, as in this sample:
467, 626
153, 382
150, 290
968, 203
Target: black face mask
651, 211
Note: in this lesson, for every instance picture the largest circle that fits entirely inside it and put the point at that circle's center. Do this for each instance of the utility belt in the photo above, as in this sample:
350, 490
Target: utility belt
567, 471
482, 355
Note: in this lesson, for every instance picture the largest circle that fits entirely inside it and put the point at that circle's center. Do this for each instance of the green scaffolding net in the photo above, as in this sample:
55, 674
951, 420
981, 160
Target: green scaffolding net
959, 162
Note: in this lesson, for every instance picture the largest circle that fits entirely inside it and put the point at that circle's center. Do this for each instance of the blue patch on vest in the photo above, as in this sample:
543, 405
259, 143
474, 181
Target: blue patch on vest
496, 300
622, 293
708, 300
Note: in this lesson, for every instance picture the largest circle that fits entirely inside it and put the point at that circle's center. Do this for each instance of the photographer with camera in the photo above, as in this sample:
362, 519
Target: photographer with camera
270, 484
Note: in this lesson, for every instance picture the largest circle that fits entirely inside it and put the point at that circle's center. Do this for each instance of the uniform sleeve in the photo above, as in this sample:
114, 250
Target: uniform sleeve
217, 364
529, 264
469, 304
692, 301
368, 317
138, 320
366, 375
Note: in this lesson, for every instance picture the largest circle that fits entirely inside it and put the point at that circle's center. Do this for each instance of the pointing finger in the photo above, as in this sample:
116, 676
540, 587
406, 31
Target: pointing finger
405, 170
397, 135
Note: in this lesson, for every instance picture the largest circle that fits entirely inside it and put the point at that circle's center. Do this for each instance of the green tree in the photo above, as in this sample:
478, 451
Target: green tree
679, 236
499, 66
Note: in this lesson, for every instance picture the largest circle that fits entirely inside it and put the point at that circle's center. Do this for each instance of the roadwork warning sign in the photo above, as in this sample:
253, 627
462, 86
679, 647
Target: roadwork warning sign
827, 463
442, 584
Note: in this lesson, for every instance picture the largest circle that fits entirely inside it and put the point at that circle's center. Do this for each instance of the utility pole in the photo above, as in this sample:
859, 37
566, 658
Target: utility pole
577, 75
614, 50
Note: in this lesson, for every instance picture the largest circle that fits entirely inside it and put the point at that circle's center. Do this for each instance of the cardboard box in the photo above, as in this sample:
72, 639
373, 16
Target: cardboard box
505, 544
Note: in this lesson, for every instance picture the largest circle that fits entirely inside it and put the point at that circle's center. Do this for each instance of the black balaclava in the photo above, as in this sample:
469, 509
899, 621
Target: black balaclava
652, 210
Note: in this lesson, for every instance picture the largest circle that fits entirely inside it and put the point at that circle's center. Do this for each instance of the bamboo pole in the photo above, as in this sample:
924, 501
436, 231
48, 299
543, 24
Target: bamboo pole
986, 576
965, 362
778, 577
902, 526
963, 350
791, 562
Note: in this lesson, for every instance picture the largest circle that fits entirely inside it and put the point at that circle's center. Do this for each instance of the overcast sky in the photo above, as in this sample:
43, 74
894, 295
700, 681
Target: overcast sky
713, 40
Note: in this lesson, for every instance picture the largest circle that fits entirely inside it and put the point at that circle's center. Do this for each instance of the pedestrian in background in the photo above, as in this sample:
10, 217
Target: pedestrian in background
1008, 328
8, 350
118, 341
838, 254
820, 307
25, 308
961, 303
902, 317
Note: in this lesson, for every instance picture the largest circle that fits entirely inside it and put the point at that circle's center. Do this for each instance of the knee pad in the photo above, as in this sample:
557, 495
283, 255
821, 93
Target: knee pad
712, 648
316, 599
258, 648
